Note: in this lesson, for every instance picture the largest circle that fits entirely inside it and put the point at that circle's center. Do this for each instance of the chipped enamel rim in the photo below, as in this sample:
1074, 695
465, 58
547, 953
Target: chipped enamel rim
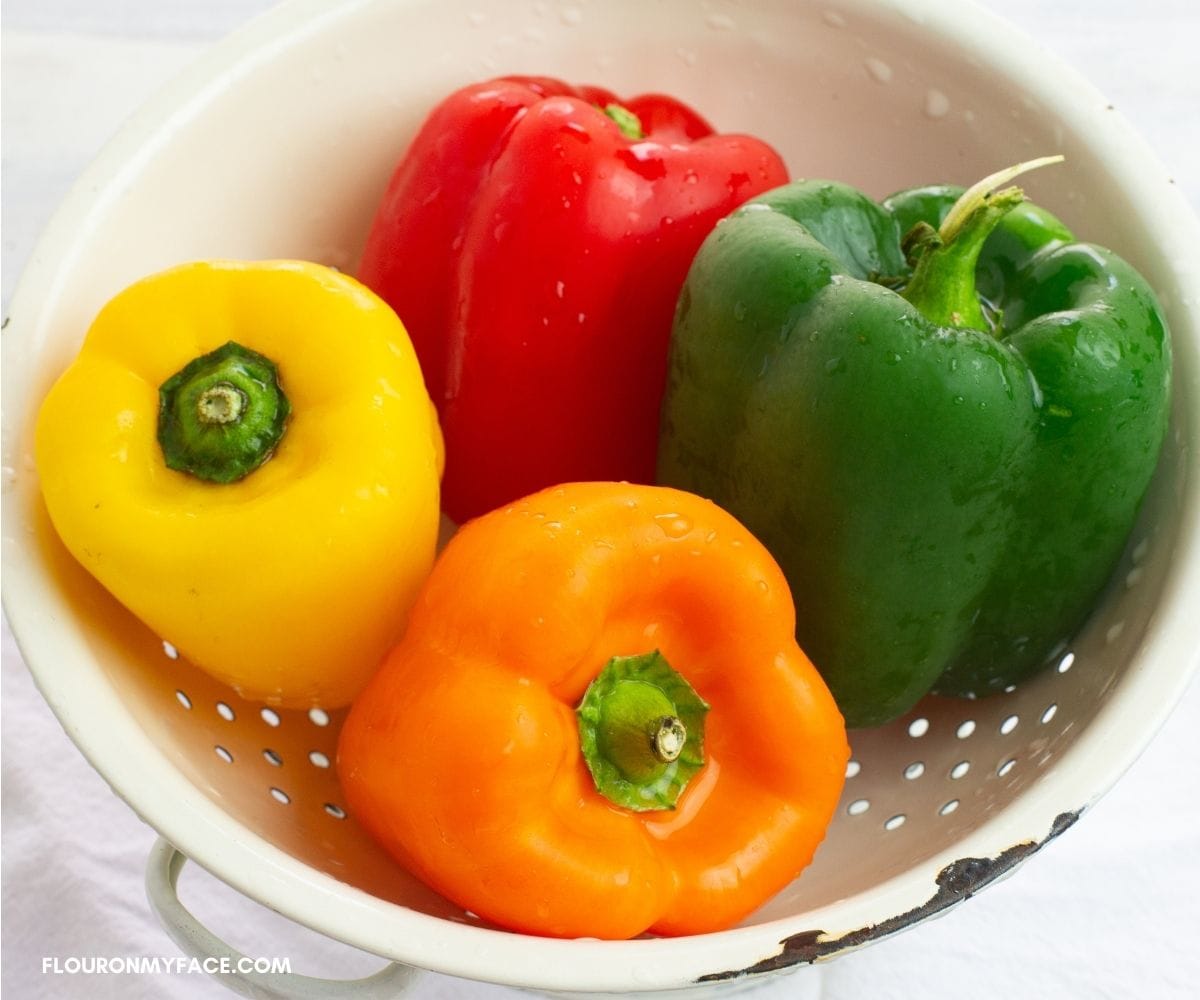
93, 715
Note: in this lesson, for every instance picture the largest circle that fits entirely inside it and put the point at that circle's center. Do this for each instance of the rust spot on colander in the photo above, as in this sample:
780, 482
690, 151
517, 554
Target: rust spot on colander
958, 881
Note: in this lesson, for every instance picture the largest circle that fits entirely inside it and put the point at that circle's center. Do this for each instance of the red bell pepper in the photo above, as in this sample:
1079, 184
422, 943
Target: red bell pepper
534, 239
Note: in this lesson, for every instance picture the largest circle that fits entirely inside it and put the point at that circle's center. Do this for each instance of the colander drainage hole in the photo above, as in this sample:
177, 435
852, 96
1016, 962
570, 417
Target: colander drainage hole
1051, 711
171, 652
918, 728
1007, 766
224, 754
858, 807
318, 759
965, 729
959, 769
280, 796
270, 717
1065, 663
318, 716
948, 808
1008, 725
184, 700
225, 712
273, 758
337, 812
914, 770
894, 822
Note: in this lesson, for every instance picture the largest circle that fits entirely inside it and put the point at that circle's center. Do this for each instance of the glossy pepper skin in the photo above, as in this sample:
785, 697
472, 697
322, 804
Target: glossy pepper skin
292, 582
947, 497
463, 756
534, 252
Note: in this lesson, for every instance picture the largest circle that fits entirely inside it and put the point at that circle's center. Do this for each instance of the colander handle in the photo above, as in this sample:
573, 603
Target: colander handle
196, 940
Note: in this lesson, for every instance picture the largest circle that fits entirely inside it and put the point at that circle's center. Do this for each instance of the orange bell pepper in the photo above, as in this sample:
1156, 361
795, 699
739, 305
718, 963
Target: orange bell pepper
695, 795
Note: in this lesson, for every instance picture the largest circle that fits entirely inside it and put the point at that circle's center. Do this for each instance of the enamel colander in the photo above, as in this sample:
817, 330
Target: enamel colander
278, 143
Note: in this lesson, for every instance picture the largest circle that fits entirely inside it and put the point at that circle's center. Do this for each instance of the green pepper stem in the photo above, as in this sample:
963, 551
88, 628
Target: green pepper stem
641, 732
629, 123
222, 415
942, 286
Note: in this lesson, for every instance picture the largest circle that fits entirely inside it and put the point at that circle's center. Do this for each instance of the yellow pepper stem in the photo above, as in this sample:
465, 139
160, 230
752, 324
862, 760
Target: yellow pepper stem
222, 415
222, 404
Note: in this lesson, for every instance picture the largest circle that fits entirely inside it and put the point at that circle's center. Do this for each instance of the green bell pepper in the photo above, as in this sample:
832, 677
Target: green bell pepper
942, 434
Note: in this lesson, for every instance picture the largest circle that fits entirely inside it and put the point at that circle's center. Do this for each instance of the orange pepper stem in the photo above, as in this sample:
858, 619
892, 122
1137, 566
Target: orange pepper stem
641, 731
669, 739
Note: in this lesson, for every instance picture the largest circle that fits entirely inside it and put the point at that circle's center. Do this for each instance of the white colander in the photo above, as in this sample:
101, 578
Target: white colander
278, 144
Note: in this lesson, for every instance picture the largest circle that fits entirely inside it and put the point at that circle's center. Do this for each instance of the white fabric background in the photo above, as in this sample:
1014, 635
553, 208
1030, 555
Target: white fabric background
1111, 909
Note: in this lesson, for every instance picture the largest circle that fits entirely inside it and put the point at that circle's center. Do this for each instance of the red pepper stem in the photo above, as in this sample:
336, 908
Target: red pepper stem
629, 123
942, 286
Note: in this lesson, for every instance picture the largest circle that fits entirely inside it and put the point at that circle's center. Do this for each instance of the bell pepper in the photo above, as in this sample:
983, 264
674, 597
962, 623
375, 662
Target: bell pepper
943, 439
599, 722
533, 238
244, 454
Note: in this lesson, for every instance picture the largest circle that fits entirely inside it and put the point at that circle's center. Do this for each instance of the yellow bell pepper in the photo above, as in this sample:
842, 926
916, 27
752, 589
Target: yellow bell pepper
245, 455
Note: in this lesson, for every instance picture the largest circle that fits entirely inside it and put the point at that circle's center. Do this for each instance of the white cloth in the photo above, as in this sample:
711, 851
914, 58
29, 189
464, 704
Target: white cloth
1111, 909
